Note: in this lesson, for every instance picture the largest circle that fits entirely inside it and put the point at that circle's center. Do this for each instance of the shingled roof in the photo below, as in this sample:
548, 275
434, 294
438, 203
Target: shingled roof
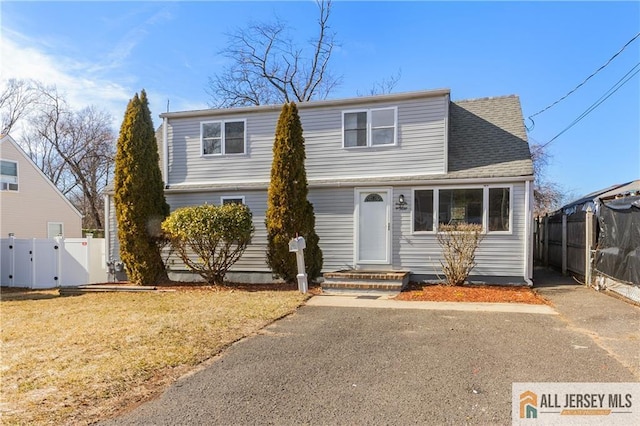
487, 138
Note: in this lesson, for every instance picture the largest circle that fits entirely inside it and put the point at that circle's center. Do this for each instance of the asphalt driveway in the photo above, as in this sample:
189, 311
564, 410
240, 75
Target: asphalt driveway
346, 365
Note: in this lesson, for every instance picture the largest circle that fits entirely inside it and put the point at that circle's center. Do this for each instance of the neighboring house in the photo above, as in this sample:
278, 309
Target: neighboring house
30, 204
384, 171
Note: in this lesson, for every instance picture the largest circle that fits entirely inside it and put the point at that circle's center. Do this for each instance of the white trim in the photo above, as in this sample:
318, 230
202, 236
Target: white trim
223, 198
223, 136
16, 183
485, 206
55, 223
165, 150
446, 133
434, 219
356, 230
369, 129
360, 181
107, 228
528, 243
510, 188
367, 100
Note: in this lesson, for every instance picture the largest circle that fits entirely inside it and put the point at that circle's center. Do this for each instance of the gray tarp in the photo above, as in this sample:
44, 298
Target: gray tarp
618, 254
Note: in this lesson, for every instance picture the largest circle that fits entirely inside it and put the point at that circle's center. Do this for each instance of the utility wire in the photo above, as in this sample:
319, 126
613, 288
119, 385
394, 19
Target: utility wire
628, 76
587, 79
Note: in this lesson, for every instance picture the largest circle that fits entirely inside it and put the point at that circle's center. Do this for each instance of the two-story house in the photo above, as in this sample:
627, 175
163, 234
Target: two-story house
384, 172
30, 204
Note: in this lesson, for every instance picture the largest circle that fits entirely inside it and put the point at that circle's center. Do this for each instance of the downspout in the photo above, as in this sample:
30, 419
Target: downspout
528, 247
107, 222
165, 152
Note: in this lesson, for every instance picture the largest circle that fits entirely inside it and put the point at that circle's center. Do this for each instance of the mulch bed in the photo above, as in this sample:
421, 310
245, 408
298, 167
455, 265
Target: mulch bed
471, 293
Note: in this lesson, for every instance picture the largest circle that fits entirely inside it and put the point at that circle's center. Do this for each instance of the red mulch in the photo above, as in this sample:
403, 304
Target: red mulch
471, 293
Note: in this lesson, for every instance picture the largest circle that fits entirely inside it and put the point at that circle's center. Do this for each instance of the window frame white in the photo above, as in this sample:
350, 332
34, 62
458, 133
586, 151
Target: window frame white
5, 184
61, 234
370, 127
223, 137
224, 198
485, 206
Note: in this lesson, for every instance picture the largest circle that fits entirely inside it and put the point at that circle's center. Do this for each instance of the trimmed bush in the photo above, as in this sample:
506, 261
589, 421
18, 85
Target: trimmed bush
289, 213
210, 239
459, 242
139, 195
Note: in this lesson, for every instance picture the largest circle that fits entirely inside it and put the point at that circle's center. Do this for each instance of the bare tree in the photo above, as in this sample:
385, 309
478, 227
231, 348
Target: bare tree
268, 67
384, 86
547, 196
16, 102
75, 149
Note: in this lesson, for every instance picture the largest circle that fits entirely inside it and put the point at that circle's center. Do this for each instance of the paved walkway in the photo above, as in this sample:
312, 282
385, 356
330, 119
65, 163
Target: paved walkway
355, 301
612, 323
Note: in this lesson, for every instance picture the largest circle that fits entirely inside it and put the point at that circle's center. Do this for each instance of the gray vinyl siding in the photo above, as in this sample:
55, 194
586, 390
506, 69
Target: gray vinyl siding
333, 209
420, 148
498, 254
334, 224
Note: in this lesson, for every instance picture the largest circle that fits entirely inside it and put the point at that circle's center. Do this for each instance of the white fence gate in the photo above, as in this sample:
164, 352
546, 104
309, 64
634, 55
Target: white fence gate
48, 263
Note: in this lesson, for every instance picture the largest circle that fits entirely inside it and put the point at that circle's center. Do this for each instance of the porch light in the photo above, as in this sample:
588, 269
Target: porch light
401, 204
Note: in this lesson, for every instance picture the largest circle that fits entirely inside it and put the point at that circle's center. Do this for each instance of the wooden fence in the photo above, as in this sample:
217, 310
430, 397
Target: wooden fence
566, 243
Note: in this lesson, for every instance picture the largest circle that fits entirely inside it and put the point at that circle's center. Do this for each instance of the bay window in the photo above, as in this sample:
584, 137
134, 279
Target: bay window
486, 206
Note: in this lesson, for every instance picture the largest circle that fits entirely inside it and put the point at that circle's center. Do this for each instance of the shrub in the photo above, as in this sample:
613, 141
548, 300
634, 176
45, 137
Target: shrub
459, 242
289, 214
139, 195
210, 239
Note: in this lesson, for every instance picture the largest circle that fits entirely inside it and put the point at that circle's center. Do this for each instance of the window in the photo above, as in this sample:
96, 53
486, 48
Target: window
8, 175
460, 205
373, 127
423, 210
54, 229
231, 200
488, 206
499, 209
217, 142
373, 198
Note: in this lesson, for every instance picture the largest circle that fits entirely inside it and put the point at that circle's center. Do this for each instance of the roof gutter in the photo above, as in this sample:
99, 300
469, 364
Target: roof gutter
395, 97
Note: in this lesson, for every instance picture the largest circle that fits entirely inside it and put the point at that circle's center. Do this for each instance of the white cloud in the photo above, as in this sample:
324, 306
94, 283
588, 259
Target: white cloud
81, 85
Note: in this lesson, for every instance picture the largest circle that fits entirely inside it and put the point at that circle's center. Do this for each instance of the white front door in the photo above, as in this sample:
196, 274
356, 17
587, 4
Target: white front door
374, 226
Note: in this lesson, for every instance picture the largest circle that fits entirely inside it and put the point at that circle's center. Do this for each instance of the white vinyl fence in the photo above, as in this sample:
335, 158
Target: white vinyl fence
48, 263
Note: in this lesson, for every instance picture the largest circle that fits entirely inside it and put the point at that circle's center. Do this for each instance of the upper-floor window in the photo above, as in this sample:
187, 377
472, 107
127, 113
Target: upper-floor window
223, 137
434, 207
54, 229
370, 127
8, 175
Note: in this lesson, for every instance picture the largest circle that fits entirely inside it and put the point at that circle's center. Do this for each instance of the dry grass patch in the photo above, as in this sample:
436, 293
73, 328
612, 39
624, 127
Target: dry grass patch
77, 359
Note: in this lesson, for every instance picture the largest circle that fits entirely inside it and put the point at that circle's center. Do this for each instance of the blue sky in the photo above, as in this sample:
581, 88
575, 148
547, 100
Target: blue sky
101, 53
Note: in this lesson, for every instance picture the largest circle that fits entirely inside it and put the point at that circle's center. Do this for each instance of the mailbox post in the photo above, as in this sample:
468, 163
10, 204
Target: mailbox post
297, 246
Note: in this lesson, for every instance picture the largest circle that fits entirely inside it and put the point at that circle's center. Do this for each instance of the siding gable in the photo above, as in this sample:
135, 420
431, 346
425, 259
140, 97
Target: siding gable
26, 212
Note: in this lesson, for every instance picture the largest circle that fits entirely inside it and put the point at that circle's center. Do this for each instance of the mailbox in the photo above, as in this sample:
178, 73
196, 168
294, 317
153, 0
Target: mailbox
297, 246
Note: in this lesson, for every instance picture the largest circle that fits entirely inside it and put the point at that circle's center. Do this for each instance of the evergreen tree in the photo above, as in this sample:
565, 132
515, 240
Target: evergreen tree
139, 195
289, 213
